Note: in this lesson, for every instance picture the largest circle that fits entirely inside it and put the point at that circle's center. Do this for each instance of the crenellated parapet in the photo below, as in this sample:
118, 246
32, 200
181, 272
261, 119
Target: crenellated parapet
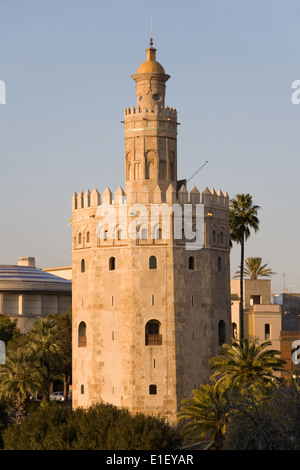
209, 198
163, 111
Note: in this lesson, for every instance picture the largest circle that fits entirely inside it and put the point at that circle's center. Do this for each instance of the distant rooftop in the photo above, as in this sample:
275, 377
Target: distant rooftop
26, 272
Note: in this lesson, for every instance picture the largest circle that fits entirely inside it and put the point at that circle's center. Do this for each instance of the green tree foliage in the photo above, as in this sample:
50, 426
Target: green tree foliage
18, 377
243, 386
62, 367
100, 427
269, 421
205, 414
8, 329
242, 218
4, 413
255, 269
247, 363
47, 343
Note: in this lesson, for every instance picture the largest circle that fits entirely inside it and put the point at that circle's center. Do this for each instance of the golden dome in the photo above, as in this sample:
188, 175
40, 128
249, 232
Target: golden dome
151, 65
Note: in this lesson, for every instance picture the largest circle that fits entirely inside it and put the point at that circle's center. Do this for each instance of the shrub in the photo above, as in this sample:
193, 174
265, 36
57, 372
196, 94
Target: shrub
100, 427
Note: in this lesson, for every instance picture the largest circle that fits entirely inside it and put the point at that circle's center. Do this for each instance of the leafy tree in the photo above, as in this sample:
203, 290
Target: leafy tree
47, 344
266, 422
18, 377
247, 363
8, 329
62, 368
254, 269
243, 218
3, 421
100, 427
205, 414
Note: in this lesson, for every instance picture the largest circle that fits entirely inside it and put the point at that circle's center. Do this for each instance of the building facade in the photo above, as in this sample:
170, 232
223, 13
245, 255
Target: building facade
290, 333
150, 270
262, 319
28, 293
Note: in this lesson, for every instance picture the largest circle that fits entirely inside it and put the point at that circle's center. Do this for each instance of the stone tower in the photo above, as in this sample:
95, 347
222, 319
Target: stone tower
151, 282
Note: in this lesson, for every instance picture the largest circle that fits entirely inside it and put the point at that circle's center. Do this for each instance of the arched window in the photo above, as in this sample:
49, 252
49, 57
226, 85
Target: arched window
82, 334
152, 389
82, 266
152, 262
214, 236
88, 237
234, 330
158, 234
221, 238
191, 262
112, 263
219, 264
222, 332
152, 333
79, 238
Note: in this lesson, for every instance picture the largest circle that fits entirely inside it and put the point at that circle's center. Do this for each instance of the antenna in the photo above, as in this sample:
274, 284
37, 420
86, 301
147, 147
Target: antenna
197, 171
151, 40
284, 274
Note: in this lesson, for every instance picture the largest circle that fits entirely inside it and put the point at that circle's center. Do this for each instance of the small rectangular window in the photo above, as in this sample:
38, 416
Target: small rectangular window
255, 300
152, 389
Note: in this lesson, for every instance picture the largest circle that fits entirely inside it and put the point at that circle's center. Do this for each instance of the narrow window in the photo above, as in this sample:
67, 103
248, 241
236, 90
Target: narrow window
79, 238
214, 236
112, 263
152, 389
221, 238
152, 262
82, 266
105, 235
144, 234
192, 300
267, 331
219, 264
88, 237
119, 234
152, 299
82, 335
222, 332
158, 234
191, 262
234, 330
82, 389
112, 300
152, 333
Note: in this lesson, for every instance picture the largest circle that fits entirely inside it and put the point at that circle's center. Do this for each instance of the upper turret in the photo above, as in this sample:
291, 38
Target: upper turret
150, 65
150, 81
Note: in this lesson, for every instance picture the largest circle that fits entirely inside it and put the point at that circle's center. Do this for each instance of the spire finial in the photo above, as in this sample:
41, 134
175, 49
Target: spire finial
151, 39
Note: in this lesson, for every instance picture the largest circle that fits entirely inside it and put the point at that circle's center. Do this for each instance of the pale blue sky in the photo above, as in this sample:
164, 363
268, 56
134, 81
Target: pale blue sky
67, 66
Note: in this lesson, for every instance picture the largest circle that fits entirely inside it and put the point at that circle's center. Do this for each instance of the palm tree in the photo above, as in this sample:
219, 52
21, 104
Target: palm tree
45, 340
245, 363
243, 218
19, 376
254, 269
63, 367
205, 414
